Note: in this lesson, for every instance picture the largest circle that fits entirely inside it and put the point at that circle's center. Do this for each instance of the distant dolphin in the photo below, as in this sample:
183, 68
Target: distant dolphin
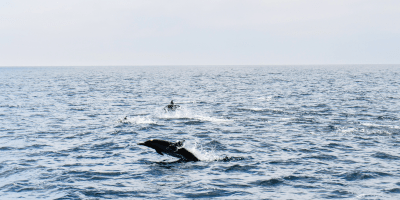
173, 149
171, 106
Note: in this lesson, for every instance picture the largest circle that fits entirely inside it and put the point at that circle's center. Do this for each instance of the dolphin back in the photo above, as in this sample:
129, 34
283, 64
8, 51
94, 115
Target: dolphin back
173, 149
186, 155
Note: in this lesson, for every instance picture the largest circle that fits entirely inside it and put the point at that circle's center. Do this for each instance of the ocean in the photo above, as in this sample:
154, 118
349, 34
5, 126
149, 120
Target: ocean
260, 132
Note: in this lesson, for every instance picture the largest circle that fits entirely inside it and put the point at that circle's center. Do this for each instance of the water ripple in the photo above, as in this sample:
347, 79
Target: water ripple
277, 132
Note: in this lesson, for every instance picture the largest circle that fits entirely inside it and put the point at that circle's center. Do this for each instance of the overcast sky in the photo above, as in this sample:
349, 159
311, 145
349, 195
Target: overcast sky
202, 32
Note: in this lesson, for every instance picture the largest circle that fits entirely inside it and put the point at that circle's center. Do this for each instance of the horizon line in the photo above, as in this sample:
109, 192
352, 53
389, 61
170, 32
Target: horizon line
193, 65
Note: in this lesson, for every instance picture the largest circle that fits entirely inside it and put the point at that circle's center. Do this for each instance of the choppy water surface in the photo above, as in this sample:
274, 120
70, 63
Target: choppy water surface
269, 132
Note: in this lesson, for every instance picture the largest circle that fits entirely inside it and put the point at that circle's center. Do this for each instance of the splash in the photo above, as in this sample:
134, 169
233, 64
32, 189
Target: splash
139, 120
201, 153
380, 126
183, 113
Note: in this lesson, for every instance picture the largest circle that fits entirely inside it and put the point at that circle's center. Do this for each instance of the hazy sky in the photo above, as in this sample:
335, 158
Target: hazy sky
203, 32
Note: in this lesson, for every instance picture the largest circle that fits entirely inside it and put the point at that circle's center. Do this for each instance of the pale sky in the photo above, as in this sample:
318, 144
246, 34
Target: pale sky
198, 32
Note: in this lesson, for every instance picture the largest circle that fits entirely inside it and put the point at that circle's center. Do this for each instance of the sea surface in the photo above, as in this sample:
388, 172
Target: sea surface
261, 132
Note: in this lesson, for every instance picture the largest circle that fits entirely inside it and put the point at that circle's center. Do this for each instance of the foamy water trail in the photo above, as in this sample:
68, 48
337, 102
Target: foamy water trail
201, 153
139, 120
184, 113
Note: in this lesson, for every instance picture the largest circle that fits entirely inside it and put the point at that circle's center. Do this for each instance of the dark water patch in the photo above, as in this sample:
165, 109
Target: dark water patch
14, 170
91, 157
24, 164
367, 144
174, 164
37, 115
147, 128
304, 120
174, 119
393, 190
7, 148
49, 154
269, 183
180, 133
215, 193
387, 117
103, 146
78, 109
265, 145
23, 187
121, 105
308, 150
347, 161
331, 128
382, 155
10, 106
383, 174
215, 145
324, 112
360, 175
321, 105
79, 149
233, 185
109, 194
73, 165
339, 146
230, 159
294, 178
239, 168
288, 149
70, 137
98, 178
29, 161
89, 174
305, 186
338, 194
262, 120
286, 162
236, 150
194, 122
263, 111
35, 146
122, 132
332, 145
323, 157
7, 186
336, 182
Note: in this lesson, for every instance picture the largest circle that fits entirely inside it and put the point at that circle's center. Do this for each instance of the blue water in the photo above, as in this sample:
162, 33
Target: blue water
261, 132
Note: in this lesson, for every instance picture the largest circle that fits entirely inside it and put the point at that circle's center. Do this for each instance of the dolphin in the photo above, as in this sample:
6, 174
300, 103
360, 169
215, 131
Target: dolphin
171, 106
170, 148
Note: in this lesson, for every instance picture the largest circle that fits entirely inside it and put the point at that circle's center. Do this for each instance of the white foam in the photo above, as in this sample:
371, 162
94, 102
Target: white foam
257, 109
347, 130
200, 153
183, 113
140, 120
285, 119
212, 119
380, 126
177, 114
269, 98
